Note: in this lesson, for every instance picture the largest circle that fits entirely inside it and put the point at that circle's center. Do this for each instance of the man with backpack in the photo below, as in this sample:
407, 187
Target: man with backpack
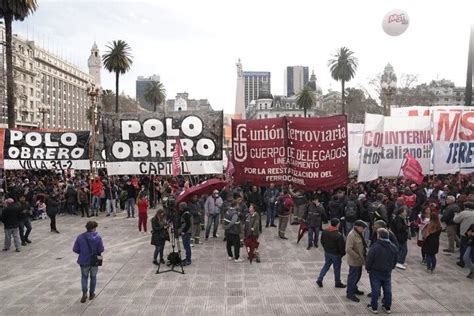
313, 217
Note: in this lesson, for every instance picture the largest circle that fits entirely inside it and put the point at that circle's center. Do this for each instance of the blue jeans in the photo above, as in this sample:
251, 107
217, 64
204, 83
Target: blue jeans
95, 204
430, 262
159, 247
313, 236
187, 246
402, 252
212, 218
467, 259
85, 272
110, 206
462, 246
271, 214
130, 206
71, 208
366, 232
384, 280
352, 279
335, 261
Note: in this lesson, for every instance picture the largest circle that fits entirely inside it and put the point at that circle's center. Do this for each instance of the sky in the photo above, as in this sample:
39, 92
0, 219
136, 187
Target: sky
194, 45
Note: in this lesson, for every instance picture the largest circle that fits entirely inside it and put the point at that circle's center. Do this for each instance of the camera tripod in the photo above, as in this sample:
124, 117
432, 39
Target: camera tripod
174, 257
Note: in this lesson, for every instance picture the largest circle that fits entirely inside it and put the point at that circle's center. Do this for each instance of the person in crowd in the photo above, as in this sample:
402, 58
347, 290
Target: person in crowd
431, 233
399, 227
41, 207
313, 216
142, 212
96, 191
110, 197
284, 207
363, 207
334, 249
300, 201
159, 235
255, 198
195, 212
24, 220
451, 227
356, 250
270, 197
337, 205
232, 233
83, 200
252, 232
377, 209
351, 213
212, 208
71, 198
131, 198
469, 253
52, 209
464, 219
381, 260
11, 223
184, 230
87, 245
421, 221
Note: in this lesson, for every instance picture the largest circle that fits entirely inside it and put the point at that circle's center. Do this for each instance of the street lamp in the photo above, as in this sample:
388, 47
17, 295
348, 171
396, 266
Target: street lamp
43, 110
93, 92
389, 87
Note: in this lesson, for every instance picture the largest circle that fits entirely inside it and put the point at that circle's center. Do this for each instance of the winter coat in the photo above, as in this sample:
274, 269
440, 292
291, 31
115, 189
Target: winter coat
431, 243
11, 216
465, 218
232, 222
333, 242
252, 225
336, 208
356, 249
213, 205
158, 231
449, 212
382, 257
313, 214
82, 248
399, 227
270, 196
96, 187
52, 206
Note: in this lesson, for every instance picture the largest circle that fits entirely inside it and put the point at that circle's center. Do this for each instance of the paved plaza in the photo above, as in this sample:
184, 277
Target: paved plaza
44, 279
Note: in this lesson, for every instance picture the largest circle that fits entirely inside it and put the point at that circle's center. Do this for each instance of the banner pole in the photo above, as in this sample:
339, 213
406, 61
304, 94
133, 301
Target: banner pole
400, 170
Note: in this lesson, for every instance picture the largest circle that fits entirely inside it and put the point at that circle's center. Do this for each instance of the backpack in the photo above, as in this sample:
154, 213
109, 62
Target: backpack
351, 211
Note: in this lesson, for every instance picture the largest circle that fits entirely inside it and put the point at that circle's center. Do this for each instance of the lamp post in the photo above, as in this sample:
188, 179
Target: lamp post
43, 110
93, 92
389, 87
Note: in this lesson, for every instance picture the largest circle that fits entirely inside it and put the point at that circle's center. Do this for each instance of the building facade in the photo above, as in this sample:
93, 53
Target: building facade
141, 86
183, 103
50, 92
280, 106
296, 77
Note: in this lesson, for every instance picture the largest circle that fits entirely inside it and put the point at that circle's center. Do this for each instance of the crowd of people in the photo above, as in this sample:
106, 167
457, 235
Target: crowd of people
370, 223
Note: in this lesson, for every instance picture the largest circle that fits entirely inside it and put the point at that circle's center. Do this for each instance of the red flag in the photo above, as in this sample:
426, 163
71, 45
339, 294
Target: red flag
412, 169
230, 167
176, 162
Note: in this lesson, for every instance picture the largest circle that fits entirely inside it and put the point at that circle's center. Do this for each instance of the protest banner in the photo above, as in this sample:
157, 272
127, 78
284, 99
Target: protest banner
354, 142
143, 143
46, 150
310, 153
386, 140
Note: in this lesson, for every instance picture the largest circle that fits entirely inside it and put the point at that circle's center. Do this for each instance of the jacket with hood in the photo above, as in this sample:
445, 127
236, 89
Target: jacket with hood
382, 257
333, 241
465, 218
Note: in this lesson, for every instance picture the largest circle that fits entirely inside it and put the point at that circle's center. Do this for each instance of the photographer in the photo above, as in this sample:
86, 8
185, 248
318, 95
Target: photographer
185, 231
159, 235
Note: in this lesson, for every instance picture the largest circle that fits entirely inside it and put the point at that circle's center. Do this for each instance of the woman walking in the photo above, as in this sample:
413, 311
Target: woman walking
52, 209
252, 229
431, 234
159, 235
421, 221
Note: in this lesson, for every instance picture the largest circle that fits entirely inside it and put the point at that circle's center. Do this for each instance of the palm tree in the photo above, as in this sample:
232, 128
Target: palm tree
119, 60
305, 99
155, 94
343, 67
13, 10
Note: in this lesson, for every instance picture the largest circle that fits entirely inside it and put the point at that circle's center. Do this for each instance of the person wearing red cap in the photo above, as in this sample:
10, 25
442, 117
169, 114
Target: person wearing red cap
11, 222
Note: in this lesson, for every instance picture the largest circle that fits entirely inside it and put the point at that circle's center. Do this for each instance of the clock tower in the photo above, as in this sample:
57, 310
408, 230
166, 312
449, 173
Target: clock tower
95, 64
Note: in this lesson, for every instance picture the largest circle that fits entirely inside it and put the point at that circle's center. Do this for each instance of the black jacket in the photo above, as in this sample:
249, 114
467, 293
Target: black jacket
333, 242
11, 216
131, 191
449, 212
194, 210
313, 214
52, 206
382, 257
431, 243
336, 208
400, 228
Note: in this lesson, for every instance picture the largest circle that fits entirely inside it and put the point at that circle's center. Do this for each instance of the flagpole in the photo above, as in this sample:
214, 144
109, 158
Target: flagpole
186, 164
400, 170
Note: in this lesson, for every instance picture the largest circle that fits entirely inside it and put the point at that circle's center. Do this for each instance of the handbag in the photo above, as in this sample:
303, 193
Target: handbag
96, 259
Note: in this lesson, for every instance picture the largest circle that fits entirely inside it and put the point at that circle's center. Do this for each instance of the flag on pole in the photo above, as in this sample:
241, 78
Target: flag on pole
412, 169
176, 162
230, 168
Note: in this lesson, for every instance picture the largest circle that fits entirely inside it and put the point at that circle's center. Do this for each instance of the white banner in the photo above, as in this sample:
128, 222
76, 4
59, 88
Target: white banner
354, 139
387, 139
425, 110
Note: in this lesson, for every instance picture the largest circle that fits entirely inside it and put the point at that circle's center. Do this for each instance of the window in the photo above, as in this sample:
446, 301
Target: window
266, 115
31, 104
31, 92
31, 65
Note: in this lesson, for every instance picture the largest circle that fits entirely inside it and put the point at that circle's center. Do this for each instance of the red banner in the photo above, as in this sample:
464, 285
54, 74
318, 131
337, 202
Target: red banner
310, 153
412, 169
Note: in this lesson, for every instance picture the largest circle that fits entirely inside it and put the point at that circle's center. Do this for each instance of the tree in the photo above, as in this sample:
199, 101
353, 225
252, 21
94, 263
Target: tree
118, 60
305, 99
155, 94
359, 103
13, 10
343, 67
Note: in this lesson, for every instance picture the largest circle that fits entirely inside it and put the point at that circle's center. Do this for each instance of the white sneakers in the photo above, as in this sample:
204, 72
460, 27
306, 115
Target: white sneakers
230, 258
239, 260
401, 266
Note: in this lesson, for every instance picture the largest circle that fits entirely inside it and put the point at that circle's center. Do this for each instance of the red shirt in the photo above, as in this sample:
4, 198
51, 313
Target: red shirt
142, 206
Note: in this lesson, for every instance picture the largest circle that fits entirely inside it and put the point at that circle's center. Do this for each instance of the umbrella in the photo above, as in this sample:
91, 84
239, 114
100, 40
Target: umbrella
205, 187
251, 244
303, 229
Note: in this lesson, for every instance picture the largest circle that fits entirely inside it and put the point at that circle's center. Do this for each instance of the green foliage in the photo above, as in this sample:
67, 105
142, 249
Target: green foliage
343, 67
118, 58
20, 9
305, 99
155, 94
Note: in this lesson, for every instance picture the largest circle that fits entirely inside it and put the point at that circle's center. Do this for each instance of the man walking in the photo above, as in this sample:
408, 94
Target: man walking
381, 260
270, 196
24, 221
313, 217
131, 198
87, 245
451, 227
465, 219
334, 249
11, 223
232, 233
212, 208
356, 249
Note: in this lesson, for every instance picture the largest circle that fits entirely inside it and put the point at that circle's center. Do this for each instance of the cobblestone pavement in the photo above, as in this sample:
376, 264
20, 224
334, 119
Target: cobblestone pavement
44, 279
